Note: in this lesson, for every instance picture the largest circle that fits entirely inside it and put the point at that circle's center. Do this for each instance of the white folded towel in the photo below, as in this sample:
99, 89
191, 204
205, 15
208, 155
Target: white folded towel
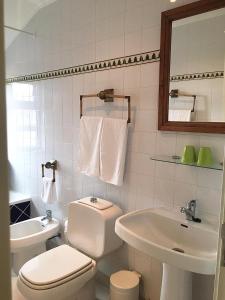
181, 115
113, 150
47, 190
90, 133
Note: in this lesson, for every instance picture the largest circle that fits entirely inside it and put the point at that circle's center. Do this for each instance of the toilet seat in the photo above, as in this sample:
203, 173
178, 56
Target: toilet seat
55, 267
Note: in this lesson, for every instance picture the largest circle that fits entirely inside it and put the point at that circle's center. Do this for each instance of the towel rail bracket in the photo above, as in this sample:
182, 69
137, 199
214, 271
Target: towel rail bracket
176, 93
107, 96
52, 164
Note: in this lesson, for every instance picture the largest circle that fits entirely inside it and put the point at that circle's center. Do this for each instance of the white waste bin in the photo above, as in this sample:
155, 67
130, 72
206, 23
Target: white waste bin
124, 285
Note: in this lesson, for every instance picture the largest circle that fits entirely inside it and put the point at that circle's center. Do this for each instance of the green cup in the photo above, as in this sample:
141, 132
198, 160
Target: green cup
189, 155
205, 158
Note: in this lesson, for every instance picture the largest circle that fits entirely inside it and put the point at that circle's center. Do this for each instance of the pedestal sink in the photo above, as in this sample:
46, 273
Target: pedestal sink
182, 246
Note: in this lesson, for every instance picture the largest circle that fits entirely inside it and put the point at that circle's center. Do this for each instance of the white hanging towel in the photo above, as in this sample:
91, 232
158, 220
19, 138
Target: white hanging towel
47, 190
113, 150
180, 115
90, 133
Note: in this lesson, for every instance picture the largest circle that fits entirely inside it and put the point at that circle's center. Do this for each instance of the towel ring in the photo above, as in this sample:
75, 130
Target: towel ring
176, 93
52, 164
107, 96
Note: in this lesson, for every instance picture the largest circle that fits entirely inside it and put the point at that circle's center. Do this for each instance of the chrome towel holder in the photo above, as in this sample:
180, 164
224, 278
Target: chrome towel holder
107, 96
176, 93
52, 164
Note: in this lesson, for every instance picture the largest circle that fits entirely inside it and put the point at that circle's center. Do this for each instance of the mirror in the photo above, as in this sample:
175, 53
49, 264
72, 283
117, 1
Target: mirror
192, 83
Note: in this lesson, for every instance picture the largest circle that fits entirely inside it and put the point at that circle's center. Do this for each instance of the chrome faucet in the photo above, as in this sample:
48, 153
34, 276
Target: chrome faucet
48, 216
189, 211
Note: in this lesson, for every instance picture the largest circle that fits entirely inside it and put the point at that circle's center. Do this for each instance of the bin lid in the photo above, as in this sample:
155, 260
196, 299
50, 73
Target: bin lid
124, 280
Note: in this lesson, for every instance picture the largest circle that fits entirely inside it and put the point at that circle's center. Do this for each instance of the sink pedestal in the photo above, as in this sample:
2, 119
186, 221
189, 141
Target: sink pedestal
176, 284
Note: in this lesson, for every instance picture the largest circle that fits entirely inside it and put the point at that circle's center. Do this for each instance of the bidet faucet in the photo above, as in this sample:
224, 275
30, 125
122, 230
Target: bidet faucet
48, 216
189, 211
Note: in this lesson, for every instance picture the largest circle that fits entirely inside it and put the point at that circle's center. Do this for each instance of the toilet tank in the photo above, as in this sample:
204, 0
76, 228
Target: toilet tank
91, 226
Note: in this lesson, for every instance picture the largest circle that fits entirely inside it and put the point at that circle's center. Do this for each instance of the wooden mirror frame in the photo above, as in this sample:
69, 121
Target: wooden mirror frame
167, 18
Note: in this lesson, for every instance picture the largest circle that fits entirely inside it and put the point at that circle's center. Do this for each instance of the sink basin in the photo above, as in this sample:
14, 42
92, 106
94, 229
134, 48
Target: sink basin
182, 246
165, 235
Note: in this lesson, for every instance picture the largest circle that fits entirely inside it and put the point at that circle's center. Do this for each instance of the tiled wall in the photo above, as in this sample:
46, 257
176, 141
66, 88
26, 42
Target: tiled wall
44, 115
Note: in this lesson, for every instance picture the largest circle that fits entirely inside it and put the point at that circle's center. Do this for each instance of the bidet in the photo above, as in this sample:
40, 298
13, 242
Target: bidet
28, 238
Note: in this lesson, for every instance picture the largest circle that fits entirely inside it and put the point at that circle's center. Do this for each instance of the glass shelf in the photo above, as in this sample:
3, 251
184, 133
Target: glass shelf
177, 160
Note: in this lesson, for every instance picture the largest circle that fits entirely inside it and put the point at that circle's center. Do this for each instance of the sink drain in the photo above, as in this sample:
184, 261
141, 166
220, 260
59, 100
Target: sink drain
178, 250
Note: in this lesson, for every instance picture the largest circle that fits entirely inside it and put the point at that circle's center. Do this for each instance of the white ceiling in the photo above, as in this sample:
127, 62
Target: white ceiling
17, 13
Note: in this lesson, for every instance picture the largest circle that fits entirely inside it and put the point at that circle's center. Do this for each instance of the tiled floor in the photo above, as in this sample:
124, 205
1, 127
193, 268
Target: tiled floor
102, 292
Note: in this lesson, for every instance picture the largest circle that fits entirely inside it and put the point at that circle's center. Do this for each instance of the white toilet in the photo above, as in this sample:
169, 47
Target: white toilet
65, 272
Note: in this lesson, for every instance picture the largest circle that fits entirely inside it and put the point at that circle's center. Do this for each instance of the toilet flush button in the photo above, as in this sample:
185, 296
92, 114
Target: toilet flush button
93, 200
96, 203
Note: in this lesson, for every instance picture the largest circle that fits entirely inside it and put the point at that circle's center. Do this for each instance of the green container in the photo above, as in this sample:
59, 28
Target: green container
189, 155
205, 158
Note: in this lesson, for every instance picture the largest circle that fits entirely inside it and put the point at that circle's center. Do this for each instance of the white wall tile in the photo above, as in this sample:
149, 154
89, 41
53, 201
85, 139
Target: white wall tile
116, 24
208, 200
149, 74
102, 50
142, 164
116, 46
183, 193
146, 121
209, 178
117, 6
186, 174
166, 143
165, 171
102, 30
150, 38
133, 14
164, 192
146, 143
149, 98
133, 42
132, 77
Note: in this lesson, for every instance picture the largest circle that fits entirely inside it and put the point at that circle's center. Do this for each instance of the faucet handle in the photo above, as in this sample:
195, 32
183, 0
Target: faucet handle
191, 204
49, 214
182, 210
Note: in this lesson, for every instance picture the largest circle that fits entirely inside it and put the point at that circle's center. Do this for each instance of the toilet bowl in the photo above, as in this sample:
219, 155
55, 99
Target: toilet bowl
67, 272
28, 239
56, 274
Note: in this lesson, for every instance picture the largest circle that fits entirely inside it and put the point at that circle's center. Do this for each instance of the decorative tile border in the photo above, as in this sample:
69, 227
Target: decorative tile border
19, 212
198, 76
120, 62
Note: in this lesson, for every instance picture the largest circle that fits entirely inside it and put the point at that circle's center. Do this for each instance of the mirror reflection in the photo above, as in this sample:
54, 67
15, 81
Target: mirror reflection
197, 84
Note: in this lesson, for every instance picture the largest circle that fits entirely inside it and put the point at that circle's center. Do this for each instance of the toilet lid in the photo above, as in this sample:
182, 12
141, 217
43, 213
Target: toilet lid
54, 265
